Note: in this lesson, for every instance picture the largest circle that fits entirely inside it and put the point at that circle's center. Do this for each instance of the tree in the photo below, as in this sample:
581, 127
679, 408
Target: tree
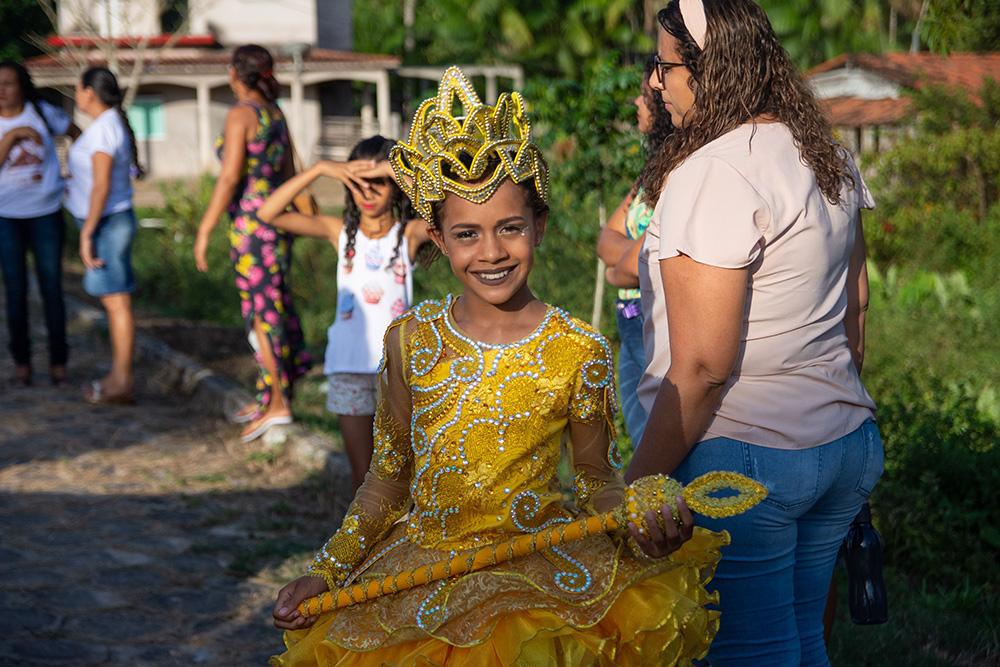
21, 21
550, 37
962, 25
586, 127
111, 22
816, 30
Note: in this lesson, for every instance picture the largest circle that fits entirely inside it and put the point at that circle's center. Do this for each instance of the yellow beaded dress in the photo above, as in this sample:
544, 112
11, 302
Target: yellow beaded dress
468, 437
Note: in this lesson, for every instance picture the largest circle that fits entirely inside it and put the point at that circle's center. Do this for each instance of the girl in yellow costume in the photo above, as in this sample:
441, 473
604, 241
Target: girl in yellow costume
476, 394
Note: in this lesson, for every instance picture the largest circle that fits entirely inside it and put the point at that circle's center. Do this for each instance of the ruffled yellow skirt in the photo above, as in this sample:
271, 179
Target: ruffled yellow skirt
592, 603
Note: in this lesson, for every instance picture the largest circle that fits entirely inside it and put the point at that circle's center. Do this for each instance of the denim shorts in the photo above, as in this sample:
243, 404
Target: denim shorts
113, 246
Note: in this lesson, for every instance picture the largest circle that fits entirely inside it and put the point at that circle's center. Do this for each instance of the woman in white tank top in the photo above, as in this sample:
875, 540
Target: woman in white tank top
376, 249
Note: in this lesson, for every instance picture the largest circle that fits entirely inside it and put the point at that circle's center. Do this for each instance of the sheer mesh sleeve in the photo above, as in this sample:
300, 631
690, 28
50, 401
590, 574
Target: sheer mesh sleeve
596, 461
385, 494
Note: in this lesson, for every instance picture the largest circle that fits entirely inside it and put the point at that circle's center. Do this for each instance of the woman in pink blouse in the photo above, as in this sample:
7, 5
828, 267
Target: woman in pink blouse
754, 291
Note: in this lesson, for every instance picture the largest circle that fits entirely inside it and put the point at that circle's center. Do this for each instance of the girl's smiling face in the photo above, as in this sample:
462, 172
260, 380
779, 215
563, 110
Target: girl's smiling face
490, 246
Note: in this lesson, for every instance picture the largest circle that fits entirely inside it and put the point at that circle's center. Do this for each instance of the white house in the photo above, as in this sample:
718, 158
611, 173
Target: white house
331, 95
864, 95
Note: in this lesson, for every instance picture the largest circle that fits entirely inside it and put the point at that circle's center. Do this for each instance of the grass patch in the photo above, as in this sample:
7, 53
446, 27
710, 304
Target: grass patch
928, 627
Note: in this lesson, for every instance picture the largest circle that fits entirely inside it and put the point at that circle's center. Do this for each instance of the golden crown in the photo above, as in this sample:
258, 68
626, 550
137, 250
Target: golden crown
468, 145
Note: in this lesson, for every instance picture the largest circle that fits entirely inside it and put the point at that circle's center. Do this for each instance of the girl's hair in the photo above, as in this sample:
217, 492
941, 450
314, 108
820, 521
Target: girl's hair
662, 126
373, 148
254, 68
29, 94
744, 73
105, 86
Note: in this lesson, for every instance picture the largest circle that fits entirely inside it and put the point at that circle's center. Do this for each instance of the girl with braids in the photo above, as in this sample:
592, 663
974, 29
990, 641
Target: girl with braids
376, 249
754, 297
102, 162
619, 245
256, 153
31, 190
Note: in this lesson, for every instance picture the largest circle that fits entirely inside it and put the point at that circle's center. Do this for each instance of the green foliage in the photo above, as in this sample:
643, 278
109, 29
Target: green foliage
948, 167
936, 506
20, 22
545, 36
816, 30
929, 626
585, 126
962, 25
164, 261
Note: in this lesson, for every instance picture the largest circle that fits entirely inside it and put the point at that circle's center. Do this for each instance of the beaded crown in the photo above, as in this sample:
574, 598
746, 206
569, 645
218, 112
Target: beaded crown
469, 155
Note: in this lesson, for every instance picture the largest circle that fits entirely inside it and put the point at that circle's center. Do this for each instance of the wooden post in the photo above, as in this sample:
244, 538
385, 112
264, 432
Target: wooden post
382, 104
595, 316
204, 132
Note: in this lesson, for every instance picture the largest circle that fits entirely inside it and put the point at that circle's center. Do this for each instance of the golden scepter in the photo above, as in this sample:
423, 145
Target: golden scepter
646, 493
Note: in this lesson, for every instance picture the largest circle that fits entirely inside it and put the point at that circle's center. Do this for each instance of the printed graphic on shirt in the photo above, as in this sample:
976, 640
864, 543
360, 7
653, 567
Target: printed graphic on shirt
24, 161
398, 308
373, 257
346, 300
372, 293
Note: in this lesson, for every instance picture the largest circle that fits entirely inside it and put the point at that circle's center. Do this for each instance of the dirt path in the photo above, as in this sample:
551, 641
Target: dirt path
143, 535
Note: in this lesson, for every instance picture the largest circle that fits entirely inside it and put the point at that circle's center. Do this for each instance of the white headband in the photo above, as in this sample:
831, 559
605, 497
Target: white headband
693, 13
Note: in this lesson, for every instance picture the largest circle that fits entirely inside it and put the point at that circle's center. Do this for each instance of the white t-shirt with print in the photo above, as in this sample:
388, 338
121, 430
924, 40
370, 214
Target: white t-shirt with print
106, 134
370, 295
30, 181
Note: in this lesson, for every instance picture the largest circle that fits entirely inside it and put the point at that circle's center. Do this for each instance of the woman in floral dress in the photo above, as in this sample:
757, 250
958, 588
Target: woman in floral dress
255, 150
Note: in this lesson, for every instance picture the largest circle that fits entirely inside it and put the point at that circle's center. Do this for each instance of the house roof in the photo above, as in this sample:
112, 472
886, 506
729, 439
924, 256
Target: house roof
857, 112
914, 70
908, 70
186, 57
132, 42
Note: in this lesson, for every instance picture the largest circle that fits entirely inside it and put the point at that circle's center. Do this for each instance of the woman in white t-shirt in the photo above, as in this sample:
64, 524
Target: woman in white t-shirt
31, 188
754, 292
99, 197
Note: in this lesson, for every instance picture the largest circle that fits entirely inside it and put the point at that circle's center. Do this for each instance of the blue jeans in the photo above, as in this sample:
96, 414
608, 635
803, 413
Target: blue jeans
45, 237
774, 577
631, 365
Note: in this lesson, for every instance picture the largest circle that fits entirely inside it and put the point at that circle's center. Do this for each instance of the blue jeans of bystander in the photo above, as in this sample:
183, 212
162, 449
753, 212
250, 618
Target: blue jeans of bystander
774, 577
631, 365
45, 237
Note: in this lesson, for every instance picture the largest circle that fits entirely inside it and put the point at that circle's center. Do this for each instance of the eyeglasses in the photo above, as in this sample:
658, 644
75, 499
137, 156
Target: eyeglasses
662, 67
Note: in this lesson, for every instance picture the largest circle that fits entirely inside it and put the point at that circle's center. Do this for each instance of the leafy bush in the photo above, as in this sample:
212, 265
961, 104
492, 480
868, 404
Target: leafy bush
163, 258
936, 504
938, 188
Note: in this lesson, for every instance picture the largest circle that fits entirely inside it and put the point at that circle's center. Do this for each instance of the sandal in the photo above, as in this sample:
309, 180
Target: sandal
246, 414
265, 426
22, 376
94, 394
57, 376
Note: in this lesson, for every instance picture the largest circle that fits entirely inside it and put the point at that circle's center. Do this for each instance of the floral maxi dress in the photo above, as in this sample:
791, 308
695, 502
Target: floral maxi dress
262, 256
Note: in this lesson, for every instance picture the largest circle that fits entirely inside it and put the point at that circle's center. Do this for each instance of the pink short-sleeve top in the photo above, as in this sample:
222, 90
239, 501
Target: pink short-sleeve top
746, 200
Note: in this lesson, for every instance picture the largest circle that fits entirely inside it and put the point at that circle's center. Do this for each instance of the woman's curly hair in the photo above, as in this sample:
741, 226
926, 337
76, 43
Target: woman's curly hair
742, 74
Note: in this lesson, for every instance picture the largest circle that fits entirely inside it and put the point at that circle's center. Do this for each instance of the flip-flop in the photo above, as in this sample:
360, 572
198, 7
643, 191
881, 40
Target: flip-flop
265, 426
96, 396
